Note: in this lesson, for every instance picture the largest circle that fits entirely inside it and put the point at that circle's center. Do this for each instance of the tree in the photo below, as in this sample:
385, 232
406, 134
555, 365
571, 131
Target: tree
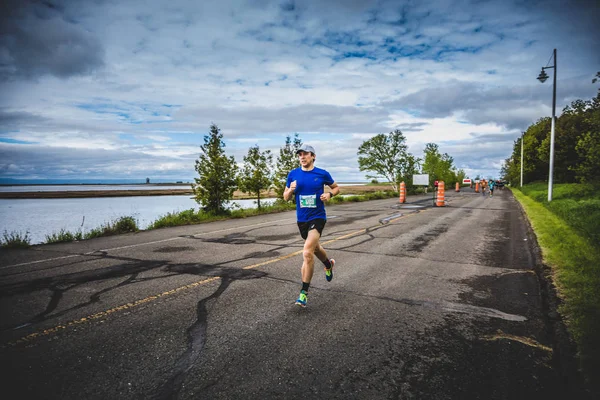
408, 168
576, 148
588, 147
386, 155
460, 175
287, 161
217, 173
256, 174
438, 166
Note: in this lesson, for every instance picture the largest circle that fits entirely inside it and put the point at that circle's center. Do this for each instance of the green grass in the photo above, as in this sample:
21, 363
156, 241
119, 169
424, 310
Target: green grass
187, 217
577, 204
191, 217
365, 197
569, 248
64, 236
116, 227
15, 240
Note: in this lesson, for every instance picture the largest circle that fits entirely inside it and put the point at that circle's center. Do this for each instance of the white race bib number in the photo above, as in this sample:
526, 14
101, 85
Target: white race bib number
309, 201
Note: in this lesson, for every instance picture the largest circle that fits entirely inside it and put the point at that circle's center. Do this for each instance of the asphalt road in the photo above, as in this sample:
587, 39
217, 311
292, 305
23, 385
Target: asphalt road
426, 303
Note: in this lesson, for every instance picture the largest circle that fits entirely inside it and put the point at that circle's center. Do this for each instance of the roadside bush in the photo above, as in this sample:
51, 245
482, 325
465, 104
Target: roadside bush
118, 226
278, 205
186, 217
14, 240
63, 236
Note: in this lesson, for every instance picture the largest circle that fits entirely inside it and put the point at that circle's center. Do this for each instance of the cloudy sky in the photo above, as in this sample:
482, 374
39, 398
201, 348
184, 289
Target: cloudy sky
128, 89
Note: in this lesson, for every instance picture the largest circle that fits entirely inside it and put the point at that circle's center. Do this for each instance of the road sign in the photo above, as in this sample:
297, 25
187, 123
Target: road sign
466, 181
421, 179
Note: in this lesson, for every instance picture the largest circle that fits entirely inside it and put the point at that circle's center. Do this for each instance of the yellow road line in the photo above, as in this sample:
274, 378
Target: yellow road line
148, 299
273, 260
103, 314
300, 251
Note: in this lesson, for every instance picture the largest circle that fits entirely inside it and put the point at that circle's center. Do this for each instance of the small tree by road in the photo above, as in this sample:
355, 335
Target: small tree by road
439, 166
286, 161
256, 173
386, 155
217, 174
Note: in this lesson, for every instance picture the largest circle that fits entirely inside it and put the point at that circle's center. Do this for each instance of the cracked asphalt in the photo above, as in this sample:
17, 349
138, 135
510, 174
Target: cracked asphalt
426, 303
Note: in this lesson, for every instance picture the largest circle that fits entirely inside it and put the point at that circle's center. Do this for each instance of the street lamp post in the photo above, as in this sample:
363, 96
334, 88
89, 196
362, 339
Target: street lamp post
542, 78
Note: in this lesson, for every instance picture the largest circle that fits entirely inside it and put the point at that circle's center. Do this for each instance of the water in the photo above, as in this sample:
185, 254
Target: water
88, 187
77, 188
41, 217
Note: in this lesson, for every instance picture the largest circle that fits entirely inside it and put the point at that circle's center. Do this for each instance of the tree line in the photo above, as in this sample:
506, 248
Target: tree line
382, 156
386, 155
576, 147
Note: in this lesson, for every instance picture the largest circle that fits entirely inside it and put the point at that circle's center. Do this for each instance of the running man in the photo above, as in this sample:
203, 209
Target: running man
492, 184
306, 184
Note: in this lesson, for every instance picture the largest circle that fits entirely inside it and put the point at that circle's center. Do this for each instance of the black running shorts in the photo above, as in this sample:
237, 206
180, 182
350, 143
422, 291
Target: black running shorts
317, 224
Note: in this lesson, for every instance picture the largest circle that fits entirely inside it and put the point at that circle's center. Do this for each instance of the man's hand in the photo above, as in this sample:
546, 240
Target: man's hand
287, 193
326, 196
335, 189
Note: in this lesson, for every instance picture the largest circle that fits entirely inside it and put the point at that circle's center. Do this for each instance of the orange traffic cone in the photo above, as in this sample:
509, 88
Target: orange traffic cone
440, 195
457, 187
477, 187
402, 198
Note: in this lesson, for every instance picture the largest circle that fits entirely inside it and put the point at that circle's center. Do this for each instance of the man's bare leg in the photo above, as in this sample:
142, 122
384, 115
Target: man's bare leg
310, 247
329, 263
320, 253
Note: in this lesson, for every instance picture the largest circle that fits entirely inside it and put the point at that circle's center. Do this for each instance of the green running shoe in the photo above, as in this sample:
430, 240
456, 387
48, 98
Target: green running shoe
329, 271
302, 299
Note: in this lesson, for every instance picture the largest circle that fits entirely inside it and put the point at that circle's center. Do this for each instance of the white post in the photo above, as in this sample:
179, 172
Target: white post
522, 137
552, 133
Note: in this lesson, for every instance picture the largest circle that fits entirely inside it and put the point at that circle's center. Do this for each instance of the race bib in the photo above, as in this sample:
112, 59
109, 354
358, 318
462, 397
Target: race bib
309, 201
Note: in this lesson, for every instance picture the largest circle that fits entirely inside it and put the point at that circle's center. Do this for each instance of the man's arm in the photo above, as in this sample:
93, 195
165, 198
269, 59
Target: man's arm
335, 190
289, 191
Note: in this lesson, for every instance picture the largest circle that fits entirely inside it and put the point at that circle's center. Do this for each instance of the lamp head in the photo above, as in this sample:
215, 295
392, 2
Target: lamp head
542, 76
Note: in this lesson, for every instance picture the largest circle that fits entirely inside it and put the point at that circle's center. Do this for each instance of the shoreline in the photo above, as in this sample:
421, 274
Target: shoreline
237, 195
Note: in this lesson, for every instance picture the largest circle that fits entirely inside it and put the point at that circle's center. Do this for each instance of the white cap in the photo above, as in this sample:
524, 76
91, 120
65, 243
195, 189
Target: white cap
307, 148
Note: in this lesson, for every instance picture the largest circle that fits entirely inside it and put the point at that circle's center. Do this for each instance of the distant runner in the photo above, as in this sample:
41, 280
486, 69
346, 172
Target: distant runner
492, 184
307, 185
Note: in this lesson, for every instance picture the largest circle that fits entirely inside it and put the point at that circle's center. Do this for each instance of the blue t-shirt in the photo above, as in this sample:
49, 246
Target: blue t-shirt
309, 188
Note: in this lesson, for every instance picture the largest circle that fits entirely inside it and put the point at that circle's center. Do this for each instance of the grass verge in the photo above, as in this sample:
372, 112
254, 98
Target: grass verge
116, 227
191, 216
64, 236
576, 204
574, 259
15, 240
